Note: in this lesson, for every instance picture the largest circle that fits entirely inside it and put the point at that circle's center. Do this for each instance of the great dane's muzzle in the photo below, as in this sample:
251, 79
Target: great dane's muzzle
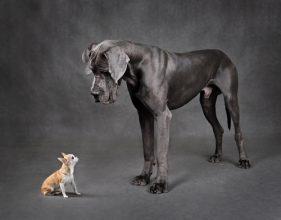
96, 96
103, 89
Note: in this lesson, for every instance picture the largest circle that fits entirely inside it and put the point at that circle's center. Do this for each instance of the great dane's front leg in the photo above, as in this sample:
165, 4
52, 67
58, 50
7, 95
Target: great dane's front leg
162, 130
147, 128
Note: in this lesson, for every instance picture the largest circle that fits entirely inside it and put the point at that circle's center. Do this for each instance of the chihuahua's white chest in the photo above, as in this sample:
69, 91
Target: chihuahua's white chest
68, 178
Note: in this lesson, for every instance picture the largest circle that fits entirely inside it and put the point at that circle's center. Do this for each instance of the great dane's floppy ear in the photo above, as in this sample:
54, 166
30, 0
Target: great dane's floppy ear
117, 62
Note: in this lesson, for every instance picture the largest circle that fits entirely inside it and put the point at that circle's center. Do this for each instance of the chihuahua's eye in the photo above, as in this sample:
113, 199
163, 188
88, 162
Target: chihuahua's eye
72, 157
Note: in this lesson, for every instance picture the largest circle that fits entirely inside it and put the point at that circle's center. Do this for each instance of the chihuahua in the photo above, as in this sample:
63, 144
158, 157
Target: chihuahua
65, 175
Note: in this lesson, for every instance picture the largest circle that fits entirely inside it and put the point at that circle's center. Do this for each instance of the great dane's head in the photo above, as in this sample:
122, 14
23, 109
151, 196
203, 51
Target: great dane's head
108, 64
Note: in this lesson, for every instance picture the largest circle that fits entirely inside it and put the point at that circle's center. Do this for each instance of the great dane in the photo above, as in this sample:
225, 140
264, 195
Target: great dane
158, 82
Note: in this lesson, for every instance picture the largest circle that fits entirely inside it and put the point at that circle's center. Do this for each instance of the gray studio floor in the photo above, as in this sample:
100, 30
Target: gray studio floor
198, 189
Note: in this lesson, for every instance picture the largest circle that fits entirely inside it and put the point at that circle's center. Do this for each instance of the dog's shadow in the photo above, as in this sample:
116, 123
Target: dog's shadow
182, 179
69, 194
178, 181
83, 195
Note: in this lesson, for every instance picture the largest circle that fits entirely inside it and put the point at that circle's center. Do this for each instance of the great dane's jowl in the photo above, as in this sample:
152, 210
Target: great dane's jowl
158, 82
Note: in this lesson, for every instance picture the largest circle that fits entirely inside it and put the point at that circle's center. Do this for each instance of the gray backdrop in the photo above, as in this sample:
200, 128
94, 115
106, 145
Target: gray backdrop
44, 94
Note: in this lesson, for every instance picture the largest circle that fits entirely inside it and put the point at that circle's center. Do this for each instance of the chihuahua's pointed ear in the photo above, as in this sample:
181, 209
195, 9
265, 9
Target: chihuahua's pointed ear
62, 160
63, 154
117, 62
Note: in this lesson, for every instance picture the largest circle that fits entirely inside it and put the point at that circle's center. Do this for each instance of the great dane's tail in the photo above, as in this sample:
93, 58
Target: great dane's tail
228, 117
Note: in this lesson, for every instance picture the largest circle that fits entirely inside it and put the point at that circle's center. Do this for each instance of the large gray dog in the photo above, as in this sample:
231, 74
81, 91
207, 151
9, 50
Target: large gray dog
159, 81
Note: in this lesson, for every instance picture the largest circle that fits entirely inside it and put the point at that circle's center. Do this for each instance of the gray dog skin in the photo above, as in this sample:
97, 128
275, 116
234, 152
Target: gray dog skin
158, 82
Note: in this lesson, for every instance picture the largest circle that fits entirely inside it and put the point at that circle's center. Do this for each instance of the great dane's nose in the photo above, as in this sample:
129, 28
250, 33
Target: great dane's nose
94, 93
96, 96
94, 90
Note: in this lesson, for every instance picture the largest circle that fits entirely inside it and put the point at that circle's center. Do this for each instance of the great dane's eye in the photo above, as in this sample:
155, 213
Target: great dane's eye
104, 56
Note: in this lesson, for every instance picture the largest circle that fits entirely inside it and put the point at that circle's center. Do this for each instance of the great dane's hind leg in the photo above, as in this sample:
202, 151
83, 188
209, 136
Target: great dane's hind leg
147, 128
208, 100
233, 107
162, 130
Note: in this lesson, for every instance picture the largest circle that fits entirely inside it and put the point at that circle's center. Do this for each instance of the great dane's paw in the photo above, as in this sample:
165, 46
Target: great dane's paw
158, 188
141, 180
244, 164
216, 158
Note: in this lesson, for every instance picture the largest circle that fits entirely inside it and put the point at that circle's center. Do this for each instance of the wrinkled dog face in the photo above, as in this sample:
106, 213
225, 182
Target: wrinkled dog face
104, 89
107, 67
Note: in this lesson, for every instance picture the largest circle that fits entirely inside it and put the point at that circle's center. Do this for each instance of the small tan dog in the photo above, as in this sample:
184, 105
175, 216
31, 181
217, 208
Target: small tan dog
65, 175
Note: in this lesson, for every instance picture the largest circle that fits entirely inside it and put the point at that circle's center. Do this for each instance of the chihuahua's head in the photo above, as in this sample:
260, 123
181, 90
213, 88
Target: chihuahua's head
68, 159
